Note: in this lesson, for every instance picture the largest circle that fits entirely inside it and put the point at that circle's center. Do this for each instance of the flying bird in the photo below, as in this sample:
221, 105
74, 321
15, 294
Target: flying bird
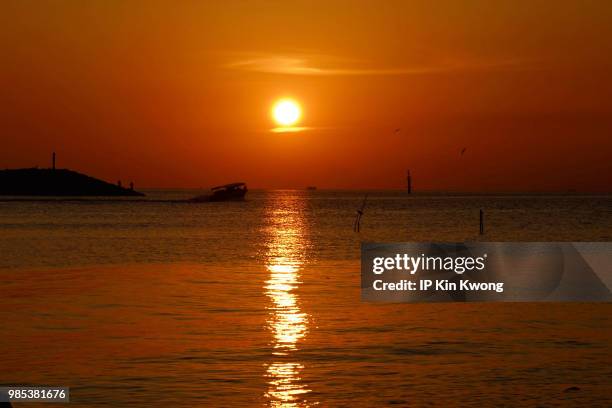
397, 130
463, 150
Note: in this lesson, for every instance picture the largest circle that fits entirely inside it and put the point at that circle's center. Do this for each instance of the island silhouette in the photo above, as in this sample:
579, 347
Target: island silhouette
58, 182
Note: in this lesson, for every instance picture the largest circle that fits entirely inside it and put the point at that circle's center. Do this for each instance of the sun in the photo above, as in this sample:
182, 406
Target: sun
286, 112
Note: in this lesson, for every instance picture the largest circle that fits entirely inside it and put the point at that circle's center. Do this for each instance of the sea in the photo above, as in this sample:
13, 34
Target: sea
159, 302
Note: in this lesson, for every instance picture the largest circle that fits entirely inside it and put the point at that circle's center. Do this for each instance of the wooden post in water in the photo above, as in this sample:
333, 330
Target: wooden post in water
481, 222
357, 223
408, 182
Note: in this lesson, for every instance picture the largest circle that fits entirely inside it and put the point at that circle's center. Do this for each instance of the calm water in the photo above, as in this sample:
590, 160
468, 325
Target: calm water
257, 304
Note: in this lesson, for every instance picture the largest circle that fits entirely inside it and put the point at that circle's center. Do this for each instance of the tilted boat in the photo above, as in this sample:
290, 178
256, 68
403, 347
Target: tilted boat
226, 192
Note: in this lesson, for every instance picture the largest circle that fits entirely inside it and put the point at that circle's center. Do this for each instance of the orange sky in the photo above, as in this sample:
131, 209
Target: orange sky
177, 94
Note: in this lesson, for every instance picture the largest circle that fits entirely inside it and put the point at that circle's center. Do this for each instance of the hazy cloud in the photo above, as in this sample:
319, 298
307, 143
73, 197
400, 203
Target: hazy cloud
316, 65
289, 129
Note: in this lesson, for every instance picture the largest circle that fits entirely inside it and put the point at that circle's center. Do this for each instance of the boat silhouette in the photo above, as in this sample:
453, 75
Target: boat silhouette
226, 192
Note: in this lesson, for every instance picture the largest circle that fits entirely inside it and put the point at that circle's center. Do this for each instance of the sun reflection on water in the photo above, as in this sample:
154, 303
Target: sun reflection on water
286, 243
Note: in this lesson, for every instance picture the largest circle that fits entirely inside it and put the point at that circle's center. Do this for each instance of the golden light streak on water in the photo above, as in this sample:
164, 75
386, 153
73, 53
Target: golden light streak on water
287, 241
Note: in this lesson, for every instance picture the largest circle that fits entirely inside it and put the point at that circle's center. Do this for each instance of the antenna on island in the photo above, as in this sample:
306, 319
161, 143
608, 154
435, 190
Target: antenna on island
53, 161
408, 182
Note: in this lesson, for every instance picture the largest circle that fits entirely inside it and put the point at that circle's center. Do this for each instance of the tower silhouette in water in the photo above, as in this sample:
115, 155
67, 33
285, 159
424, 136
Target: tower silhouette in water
408, 182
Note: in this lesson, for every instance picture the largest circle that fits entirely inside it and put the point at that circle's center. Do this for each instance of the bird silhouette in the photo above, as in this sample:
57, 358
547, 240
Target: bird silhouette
463, 150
